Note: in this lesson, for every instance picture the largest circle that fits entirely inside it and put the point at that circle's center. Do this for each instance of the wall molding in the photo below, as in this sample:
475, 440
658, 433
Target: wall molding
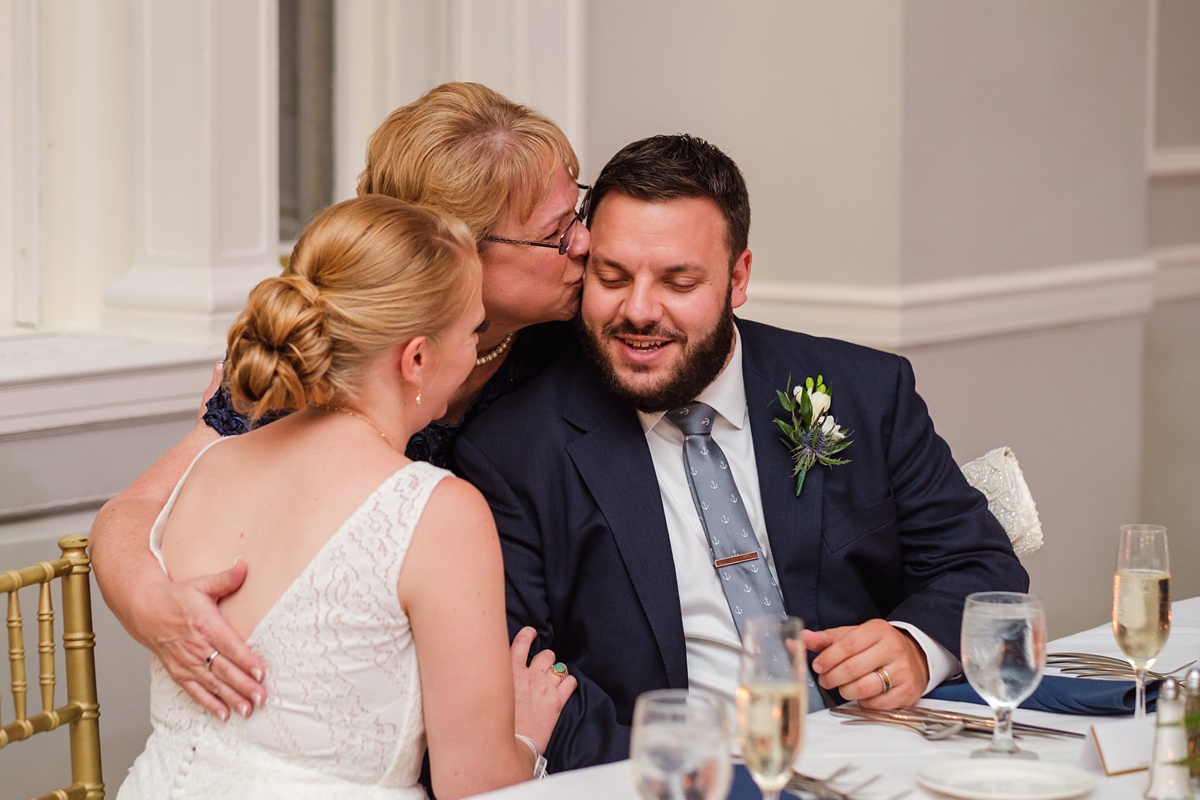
935, 312
53, 381
56, 382
1174, 162
1178, 273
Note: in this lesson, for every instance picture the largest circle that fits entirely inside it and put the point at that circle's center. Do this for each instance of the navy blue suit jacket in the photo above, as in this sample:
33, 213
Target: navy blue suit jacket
897, 533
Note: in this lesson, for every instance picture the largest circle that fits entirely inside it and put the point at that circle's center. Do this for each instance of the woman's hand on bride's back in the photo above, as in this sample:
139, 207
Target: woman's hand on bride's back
540, 691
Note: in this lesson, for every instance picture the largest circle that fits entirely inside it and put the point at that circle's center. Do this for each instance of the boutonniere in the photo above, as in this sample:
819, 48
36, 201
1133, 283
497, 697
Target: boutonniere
812, 435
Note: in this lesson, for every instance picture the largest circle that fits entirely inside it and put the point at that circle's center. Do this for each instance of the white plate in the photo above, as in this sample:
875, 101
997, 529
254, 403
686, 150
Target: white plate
1005, 779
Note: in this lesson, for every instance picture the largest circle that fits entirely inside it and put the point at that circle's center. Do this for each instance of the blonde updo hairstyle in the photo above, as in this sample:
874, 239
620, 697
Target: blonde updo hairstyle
470, 152
365, 275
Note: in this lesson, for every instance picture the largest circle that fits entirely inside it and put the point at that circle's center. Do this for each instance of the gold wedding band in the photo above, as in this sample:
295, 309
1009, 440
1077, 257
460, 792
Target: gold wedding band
885, 678
208, 662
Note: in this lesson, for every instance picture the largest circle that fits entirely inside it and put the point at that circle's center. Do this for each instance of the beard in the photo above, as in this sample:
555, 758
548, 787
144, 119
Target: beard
698, 364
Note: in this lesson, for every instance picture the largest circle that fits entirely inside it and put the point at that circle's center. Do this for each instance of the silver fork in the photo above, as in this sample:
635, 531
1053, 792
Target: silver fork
1091, 665
933, 731
823, 788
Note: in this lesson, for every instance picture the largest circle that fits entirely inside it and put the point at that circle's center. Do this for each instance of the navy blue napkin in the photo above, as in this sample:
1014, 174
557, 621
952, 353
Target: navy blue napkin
744, 787
1062, 694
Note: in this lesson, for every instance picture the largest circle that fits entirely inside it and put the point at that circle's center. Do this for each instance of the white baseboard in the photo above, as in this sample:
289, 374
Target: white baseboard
893, 318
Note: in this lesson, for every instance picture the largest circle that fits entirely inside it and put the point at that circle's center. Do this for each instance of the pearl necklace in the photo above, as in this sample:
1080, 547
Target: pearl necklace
344, 410
496, 352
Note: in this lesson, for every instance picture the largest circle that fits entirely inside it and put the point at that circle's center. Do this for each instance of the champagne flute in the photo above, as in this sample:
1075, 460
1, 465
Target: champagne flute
679, 746
1003, 655
772, 699
1141, 610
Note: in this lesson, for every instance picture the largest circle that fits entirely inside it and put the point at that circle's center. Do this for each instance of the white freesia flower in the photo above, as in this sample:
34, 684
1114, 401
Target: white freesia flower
820, 404
831, 429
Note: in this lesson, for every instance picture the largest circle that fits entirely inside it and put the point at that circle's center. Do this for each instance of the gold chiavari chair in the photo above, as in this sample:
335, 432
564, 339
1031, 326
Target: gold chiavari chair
82, 711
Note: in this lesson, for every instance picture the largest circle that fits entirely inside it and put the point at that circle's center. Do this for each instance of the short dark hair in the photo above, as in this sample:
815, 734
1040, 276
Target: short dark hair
665, 167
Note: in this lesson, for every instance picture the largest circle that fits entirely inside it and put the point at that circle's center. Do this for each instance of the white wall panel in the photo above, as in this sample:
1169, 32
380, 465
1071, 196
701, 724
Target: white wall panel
10, 193
390, 53
387, 53
206, 203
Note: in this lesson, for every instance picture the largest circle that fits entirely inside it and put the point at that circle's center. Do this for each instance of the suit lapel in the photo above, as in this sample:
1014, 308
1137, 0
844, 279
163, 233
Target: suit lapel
793, 523
615, 466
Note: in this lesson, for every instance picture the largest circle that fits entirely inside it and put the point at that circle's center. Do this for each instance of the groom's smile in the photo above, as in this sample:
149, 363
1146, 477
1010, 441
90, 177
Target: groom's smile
659, 296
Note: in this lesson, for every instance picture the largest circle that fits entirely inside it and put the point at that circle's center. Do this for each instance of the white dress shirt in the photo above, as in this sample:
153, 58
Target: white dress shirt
711, 637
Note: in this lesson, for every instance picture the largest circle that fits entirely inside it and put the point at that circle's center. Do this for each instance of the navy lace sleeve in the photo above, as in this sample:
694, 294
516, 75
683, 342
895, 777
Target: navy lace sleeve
225, 420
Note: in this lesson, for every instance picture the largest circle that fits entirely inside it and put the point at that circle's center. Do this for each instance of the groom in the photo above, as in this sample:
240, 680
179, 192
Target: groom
614, 491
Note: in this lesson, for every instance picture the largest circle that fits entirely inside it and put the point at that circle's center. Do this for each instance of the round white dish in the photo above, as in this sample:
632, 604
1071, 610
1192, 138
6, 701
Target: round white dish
1005, 779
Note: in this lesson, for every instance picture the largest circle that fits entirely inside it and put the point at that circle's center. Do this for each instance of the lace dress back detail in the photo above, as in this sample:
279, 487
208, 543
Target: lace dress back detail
343, 715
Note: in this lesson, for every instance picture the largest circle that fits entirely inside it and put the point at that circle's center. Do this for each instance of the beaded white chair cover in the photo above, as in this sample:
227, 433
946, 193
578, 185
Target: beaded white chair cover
998, 476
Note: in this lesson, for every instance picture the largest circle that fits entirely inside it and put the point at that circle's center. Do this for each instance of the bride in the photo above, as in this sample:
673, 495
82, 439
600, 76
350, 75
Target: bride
375, 593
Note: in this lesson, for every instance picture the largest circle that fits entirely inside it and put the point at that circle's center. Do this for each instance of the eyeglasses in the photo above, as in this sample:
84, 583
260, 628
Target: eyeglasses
564, 242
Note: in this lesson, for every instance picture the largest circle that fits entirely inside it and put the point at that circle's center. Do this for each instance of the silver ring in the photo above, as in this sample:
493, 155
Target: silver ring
885, 679
208, 662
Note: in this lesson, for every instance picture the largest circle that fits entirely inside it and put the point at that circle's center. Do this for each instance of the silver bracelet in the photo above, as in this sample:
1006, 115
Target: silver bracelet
539, 760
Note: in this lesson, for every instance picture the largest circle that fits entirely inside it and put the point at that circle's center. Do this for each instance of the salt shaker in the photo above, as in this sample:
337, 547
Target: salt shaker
1168, 775
1191, 711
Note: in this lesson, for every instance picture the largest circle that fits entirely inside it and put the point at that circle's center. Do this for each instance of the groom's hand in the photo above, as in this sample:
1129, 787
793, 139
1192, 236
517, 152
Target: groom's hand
849, 658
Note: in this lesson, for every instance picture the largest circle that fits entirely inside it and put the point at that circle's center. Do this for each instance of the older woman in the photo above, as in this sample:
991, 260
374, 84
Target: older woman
510, 175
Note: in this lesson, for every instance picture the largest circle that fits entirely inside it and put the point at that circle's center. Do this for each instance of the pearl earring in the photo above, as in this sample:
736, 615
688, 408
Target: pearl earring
419, 394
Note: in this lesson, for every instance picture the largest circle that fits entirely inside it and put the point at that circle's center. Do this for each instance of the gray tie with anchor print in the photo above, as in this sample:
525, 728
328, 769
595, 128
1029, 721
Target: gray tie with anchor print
749, 587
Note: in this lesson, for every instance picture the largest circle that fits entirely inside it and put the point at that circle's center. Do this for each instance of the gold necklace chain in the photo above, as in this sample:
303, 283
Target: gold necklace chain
495, 352
356, 415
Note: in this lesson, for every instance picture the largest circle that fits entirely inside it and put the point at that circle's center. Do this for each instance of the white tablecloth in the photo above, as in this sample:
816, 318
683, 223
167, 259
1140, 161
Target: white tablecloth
897, 755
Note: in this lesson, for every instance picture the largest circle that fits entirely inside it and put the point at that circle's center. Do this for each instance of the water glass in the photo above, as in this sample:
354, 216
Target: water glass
1141, 610
772, 699
679, 746
1003, 655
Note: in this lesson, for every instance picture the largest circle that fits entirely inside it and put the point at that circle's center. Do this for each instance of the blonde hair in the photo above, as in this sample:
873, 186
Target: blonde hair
365, 275
469, 151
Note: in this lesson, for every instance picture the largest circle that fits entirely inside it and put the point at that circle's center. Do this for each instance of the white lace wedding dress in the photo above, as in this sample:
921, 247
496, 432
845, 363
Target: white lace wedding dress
343, 714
